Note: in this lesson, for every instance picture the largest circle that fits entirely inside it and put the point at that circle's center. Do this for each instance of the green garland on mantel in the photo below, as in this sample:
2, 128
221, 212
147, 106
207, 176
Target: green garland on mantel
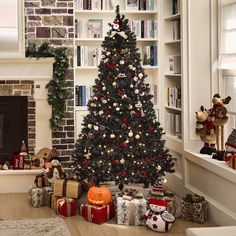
57, 87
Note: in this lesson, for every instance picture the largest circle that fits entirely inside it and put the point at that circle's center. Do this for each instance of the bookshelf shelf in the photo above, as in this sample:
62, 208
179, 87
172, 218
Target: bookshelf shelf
172, 17
150, 67
173, 75
172, 116
81, 108
101, 39
173, 42
112, 12
173, 108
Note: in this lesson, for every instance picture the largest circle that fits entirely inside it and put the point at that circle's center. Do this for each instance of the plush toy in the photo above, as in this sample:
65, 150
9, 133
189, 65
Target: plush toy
219, 116
157, 217
55, 171
206, 130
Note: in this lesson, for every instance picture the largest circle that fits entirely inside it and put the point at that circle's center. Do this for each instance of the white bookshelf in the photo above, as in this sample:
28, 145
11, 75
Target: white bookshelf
171, 68
85, 75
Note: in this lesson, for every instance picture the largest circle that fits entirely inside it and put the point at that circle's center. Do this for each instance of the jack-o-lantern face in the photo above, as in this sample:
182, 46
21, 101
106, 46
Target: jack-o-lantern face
99, 196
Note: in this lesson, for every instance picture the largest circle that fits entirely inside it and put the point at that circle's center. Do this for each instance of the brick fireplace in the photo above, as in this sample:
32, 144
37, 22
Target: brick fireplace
28, 79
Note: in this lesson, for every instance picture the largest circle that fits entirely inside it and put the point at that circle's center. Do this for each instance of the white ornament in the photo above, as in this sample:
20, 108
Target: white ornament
136, 91
114, 83
122, 161
112, 136
135, 78
104, 88
131, 67
130, 134
137, 136
130, 106
134, 68
96, 127
104, 101
122, 62
92, 104
90, 126
108, 53
140, 75
100, 113
131, 86
115, 104
124, 96
117, 108
159, 167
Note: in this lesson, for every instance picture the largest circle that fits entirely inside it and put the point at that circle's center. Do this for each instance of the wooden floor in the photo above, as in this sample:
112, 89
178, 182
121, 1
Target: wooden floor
17, 206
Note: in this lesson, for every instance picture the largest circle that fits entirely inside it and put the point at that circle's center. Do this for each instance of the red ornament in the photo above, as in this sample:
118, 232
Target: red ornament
124, 174
98, 87
85, 161
118, 49
99, 97
159, 155
147, 159
116, 162
120, 91
143, 172
112, 66
125, 121
123, 145
108, 77
138, 114
151, 127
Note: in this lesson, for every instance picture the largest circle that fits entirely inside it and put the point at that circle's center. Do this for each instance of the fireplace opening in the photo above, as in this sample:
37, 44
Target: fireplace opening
13, 125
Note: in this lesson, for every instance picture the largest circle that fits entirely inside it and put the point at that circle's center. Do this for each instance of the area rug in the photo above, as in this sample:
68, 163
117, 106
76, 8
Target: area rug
34, 227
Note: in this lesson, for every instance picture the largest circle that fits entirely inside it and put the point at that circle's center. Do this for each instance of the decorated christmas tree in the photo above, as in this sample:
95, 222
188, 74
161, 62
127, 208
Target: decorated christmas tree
121, 139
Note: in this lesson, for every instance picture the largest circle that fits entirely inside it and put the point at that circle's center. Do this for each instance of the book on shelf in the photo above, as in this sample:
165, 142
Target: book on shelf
174, 97
174, 64
83, 94
78, 28
88, 56
144, 28
175, 24
95, 28
146, 5
154, 92
150, 55
175, 7
173, 124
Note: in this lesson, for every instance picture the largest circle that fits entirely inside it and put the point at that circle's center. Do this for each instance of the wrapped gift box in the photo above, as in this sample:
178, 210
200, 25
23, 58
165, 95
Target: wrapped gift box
63, 206
39, 196
231, 161
131, 212
41, 181
97, 214
67, 188
194, 208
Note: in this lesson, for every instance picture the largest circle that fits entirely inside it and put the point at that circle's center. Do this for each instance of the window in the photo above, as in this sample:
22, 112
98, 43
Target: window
228, 35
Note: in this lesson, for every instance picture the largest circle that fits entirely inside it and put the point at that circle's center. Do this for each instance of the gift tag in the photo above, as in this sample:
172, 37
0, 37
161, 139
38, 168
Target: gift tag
166, 216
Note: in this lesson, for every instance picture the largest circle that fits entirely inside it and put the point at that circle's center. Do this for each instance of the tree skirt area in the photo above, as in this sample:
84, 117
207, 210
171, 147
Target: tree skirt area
34, 227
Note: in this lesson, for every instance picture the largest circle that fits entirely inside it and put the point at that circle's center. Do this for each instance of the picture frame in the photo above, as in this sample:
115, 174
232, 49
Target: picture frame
132, 5
95, 28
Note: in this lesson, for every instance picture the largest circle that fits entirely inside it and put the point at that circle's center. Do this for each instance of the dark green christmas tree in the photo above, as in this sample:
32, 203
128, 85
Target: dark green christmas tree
121, 140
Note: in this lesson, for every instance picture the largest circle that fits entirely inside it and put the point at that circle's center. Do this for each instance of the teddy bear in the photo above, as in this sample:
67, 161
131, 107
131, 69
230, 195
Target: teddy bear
206, 130
157, 217
55, 171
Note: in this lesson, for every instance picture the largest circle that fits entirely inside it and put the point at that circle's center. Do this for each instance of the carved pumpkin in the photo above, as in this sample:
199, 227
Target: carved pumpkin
99, 196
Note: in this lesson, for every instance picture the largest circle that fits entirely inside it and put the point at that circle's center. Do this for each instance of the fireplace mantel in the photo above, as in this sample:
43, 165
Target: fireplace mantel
26, 68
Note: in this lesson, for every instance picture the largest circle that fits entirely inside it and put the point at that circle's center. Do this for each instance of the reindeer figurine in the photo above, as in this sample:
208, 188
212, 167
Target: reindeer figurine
219, 116
205, 129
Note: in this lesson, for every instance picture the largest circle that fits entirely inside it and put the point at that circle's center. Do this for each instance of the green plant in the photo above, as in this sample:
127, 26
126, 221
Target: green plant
57, 87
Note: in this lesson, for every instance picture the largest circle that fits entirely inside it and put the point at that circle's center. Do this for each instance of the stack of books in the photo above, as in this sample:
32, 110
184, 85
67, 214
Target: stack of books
149, 54
174, 66
174, 97
82, 94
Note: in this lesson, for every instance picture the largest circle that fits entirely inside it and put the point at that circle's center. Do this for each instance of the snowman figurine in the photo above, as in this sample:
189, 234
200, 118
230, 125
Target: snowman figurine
157, 217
